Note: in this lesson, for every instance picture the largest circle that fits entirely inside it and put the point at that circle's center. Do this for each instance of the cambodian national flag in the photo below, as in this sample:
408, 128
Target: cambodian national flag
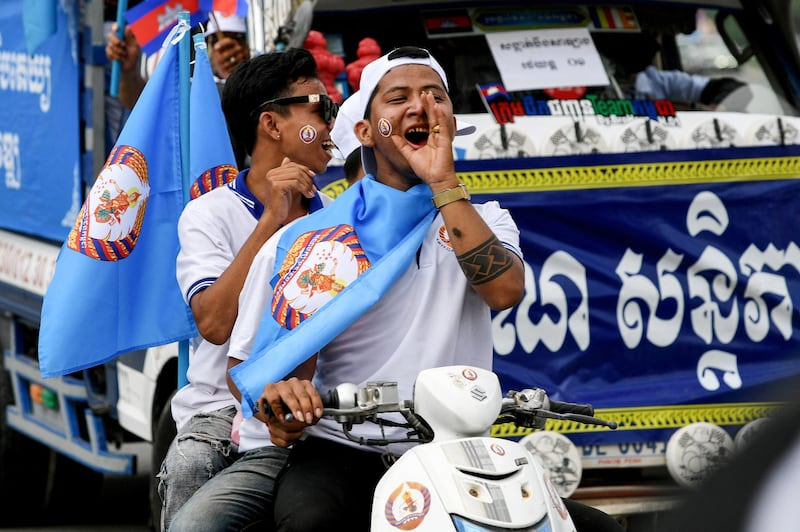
114, 289
330, 268
226, 7
151, 20
493, 91
211, 159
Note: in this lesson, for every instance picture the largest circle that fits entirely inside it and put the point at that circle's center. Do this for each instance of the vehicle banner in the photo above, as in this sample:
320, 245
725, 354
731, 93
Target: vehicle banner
660, 289
662, 267
40, 177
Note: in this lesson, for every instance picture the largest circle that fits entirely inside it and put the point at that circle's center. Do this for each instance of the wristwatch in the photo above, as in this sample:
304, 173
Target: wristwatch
450, 195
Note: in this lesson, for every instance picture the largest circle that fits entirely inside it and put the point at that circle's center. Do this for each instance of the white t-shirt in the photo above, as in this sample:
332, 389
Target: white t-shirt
453, 326
212, 229
253, 302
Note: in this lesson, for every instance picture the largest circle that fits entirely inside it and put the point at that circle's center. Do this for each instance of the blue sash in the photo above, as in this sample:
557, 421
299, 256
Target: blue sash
330, 268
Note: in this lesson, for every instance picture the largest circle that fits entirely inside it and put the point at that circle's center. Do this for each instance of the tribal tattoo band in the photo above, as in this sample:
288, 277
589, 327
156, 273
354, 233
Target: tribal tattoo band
486, 262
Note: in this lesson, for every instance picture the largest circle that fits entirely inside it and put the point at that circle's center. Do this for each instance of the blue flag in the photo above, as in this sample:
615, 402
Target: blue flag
40, 21
330, 268
211, 159
114, 288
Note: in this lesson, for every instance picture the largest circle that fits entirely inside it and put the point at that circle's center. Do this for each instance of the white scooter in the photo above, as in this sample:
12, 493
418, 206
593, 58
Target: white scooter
459, 478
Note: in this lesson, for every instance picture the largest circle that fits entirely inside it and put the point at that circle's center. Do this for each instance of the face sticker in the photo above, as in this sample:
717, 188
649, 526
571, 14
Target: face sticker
308, 134
384, 127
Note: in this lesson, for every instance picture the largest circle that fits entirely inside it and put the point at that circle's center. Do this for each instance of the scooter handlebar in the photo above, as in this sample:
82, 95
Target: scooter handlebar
561, 407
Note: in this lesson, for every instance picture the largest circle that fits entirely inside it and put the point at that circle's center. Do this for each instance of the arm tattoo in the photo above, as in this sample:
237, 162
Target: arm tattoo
485, 262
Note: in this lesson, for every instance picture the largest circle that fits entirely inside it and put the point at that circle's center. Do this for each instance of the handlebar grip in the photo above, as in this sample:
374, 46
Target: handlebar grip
330, 399
571, 408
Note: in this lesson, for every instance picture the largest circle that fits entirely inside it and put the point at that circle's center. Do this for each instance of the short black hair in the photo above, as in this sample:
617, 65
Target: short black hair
256, 80
352, 165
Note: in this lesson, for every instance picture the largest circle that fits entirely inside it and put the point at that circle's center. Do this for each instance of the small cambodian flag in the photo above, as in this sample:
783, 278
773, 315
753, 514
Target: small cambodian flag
493, 91
151, 20
226, 7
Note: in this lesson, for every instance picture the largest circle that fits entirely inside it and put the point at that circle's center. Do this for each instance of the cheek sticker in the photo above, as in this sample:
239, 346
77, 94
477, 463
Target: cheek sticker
308, 133
384, 127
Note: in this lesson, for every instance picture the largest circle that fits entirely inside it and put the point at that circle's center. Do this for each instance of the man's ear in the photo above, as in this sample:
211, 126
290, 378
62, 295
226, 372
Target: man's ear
363, 131
268, 125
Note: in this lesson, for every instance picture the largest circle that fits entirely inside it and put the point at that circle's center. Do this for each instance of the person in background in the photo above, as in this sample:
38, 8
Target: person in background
353, 169
347, 146
631, 56
278, 110
226, 38
756, 490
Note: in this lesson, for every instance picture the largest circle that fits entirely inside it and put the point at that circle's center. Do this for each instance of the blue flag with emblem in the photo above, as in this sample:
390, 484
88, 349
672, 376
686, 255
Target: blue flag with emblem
211, 159
330, 268
114, 288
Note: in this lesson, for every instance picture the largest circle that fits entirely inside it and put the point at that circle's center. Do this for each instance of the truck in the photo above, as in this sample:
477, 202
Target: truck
657, 228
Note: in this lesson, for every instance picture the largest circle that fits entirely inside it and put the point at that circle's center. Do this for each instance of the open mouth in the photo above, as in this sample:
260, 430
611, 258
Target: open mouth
417, 135
328, 145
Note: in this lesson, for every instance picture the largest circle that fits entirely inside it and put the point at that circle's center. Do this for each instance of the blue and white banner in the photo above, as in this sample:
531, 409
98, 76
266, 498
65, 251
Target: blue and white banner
642, 295
40, 168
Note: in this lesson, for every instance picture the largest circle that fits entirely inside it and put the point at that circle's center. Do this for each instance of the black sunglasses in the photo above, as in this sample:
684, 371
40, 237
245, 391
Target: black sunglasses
327, 110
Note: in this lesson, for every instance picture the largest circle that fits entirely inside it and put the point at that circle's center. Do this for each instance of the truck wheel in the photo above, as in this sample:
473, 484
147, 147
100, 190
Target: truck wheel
69, 485
35, 481
164, 432
23, 466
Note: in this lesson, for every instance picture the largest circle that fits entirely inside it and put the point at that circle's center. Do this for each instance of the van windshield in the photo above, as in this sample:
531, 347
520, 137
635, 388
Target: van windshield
593, 65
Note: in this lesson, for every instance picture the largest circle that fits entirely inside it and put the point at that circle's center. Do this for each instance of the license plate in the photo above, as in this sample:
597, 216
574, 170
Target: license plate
634, 454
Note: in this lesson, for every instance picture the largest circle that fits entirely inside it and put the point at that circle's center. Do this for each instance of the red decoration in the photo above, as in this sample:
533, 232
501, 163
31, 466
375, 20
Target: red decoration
368, 51
329, 65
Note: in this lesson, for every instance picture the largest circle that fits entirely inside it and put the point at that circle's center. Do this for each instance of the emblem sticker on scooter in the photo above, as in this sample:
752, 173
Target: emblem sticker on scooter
469, 374
408, 505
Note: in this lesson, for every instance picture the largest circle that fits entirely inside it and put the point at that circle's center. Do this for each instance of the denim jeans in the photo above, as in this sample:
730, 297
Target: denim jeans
201, 449
238, 498
327, 486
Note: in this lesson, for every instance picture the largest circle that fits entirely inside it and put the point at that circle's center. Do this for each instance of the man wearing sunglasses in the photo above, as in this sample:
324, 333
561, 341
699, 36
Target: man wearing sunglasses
278, 112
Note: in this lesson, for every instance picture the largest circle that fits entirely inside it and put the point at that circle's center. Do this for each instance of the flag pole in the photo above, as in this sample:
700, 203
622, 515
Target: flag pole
184, 59
116, 65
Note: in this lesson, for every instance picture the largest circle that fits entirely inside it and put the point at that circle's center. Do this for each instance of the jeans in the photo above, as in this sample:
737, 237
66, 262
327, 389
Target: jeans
327, 486
238, 498
202, 448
